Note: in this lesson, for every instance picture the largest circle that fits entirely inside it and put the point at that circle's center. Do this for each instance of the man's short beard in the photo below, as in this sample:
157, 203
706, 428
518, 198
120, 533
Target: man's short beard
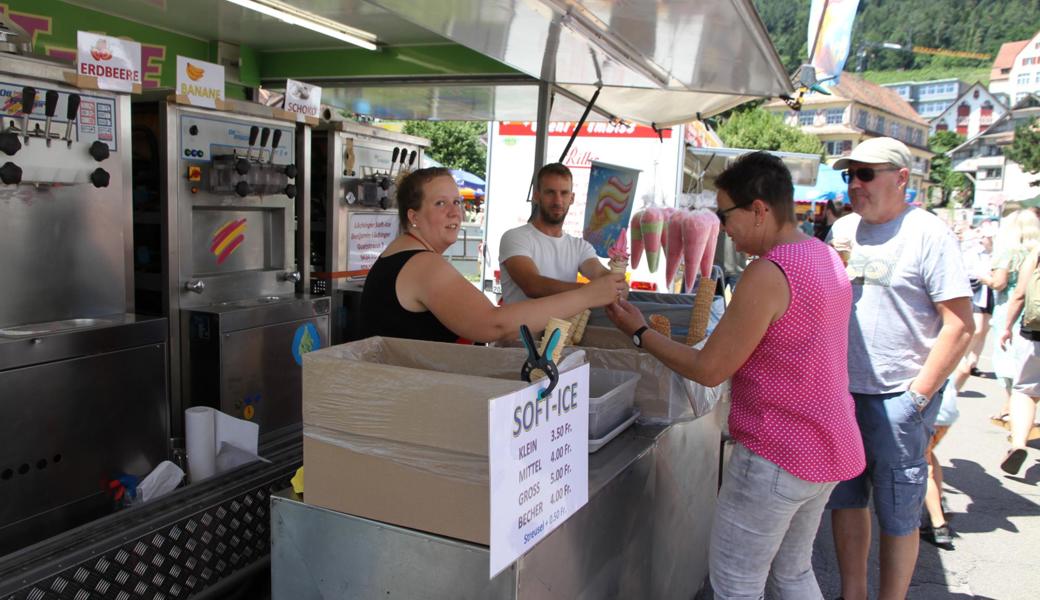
548, 219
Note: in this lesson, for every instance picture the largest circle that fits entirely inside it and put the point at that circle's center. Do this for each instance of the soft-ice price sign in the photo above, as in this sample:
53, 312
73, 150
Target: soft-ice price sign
538, 457
302, 98
116, 63
368, 234
202, 83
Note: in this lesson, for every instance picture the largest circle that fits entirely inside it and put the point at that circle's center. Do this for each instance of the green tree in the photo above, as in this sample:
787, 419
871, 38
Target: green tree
1025, 150
454, 144
942, 174
758, 129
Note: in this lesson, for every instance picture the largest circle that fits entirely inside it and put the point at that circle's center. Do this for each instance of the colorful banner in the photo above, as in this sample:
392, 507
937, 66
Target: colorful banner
830, 35
608, 206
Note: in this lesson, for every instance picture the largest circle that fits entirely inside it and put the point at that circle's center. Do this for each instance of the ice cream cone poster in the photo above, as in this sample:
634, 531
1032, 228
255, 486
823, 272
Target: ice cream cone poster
200, 82
608, 207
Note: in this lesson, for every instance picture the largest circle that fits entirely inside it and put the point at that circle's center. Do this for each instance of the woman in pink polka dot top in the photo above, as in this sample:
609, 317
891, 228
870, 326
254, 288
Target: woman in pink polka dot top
783, 341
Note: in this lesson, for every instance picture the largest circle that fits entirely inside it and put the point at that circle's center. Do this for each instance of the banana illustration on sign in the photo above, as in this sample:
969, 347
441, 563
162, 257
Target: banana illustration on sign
194, 73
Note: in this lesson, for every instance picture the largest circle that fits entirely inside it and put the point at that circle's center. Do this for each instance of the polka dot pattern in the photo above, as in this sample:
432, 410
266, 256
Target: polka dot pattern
791, 401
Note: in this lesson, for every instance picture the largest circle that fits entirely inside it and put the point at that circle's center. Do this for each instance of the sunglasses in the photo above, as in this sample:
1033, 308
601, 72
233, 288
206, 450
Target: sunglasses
864, 174
721, 214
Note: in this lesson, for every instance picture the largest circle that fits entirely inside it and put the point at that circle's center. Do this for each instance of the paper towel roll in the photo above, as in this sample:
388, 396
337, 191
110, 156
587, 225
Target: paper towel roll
200, 440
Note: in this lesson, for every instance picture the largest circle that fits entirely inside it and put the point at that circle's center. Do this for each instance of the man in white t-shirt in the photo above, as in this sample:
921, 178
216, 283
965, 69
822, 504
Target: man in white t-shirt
538, 259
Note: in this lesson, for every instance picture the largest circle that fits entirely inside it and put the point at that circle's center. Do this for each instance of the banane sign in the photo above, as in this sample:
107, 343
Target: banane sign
200, 82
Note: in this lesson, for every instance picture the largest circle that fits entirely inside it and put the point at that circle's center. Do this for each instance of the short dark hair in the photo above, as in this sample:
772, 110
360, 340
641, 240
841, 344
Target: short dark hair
760, 176
552, 169
410, 191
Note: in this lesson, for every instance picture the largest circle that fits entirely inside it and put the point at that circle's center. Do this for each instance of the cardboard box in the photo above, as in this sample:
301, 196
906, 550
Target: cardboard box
397, 431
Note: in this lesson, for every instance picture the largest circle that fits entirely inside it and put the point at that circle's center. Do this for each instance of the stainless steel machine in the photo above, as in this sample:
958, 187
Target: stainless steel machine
83, 384
219, 200
355, 170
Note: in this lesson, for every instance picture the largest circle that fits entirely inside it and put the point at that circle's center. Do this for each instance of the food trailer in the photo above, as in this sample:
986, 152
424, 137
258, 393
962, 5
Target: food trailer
100, 224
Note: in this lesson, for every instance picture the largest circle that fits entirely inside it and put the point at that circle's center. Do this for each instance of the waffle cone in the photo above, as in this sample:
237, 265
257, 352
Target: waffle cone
578, 324
660, 324
618, 266
701, 312
564, 327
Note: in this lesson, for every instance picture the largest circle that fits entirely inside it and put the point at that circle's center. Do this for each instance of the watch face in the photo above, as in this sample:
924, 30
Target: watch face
636, 339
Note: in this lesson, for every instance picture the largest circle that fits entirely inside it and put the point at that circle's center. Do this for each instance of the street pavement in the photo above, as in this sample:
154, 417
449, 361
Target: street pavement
995, 517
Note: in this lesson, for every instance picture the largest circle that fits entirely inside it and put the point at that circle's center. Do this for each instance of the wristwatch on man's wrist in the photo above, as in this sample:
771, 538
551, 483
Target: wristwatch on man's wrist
637, 337
920, 400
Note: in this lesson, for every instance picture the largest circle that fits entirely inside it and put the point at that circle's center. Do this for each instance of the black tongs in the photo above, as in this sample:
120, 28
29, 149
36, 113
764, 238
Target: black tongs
536, 361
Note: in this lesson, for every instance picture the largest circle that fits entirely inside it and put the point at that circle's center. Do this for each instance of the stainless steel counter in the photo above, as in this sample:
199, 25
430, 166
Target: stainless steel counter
643, 534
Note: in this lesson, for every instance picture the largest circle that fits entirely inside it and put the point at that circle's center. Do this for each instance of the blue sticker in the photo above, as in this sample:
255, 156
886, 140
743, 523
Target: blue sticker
305, 340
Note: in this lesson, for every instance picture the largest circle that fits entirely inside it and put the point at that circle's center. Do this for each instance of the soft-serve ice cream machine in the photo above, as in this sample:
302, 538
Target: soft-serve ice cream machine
229, 281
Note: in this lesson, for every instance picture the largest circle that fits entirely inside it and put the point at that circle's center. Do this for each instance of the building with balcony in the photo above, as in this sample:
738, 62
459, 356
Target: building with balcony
970, 114
930, 98
858, 110
997, 179
1016, 70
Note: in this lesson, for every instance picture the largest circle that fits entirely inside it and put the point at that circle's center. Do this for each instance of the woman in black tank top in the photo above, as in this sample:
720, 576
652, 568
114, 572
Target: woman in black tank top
413, 292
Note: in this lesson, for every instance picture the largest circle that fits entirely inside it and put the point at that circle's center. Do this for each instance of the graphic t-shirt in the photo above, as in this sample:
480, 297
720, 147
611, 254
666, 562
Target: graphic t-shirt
898, 271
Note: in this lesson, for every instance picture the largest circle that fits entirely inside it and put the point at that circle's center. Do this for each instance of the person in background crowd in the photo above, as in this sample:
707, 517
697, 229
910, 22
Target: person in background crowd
1018, 236
1026, 348
831, 214
806, 224
413, 292
538, 259
976, 249
911, 323
796, 433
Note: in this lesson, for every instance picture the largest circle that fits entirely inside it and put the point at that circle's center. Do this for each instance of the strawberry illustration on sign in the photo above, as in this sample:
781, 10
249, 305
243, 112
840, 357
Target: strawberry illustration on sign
100, 51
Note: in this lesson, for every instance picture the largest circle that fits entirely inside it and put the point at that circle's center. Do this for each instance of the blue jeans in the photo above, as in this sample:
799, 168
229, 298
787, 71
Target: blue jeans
765, 524
895, 437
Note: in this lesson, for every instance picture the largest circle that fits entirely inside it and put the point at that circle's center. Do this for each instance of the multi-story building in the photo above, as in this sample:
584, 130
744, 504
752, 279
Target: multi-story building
858, 110
970, 114
929, 98
997, 179
1016, 70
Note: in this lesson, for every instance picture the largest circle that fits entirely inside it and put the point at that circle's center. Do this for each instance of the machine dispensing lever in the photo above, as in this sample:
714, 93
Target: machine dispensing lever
195, 285
292, 276
71, 113
28, 103
49, 107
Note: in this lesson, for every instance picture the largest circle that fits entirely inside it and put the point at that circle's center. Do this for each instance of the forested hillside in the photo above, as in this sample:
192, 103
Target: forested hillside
967, 25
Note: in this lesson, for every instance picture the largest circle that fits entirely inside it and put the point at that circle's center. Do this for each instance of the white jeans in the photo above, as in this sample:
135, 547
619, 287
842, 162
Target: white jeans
765, 524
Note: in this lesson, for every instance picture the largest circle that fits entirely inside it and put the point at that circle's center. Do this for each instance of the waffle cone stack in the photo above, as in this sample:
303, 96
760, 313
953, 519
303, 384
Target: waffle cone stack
554, 324
701, 312
578, 324
660, 324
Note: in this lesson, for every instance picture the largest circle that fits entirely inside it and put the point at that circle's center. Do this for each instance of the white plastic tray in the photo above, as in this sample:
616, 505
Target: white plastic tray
596, 444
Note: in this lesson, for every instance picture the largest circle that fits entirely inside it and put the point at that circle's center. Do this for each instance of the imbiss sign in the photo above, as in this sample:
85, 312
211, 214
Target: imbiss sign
302, 98
115, 62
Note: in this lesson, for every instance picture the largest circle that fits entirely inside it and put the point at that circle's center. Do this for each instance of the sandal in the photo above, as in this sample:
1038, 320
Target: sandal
1013, 460
1000, 419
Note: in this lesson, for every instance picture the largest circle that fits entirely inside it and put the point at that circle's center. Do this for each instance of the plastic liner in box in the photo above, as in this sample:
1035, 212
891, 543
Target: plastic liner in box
420, 404
611, 395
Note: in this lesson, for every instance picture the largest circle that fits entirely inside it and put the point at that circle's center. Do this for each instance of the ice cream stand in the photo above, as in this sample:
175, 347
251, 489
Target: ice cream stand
642, 531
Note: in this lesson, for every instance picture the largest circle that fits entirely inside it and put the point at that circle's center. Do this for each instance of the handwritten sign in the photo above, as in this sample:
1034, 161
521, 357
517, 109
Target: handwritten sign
201, 82
538, 458
368, 234
302, 98
116, 63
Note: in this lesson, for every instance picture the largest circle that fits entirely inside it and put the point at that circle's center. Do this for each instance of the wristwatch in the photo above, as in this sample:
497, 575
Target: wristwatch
920, 400
637, 337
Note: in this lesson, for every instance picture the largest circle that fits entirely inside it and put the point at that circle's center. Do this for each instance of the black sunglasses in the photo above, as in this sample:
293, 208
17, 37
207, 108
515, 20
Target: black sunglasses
721, 214
864, 174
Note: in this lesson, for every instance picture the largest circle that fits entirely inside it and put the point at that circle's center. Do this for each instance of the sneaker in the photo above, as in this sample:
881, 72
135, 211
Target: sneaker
1013, 460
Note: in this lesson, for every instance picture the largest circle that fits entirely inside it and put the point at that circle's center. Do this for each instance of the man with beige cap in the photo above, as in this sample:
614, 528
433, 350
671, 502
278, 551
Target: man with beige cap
911, 323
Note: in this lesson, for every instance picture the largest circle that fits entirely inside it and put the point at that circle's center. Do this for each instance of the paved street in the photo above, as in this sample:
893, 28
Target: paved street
995, 517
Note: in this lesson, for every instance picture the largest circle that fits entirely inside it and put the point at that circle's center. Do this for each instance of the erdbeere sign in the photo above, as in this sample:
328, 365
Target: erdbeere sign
115, 62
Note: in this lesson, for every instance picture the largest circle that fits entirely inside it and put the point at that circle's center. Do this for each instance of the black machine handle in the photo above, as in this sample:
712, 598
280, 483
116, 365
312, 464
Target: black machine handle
276, 138
50, 103
28, 99
264, 134
72, 111
253, 132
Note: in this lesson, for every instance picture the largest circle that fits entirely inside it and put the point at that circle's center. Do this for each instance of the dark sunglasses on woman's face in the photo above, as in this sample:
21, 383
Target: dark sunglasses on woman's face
721, 214
864, 174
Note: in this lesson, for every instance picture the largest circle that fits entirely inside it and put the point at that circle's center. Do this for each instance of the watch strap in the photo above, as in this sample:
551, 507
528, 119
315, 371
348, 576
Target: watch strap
637, 337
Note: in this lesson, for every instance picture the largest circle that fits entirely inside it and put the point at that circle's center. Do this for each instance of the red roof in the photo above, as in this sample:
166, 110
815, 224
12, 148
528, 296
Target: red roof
1006, 59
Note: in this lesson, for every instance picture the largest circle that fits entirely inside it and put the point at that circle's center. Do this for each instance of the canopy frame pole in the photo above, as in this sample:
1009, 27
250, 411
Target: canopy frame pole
581, 123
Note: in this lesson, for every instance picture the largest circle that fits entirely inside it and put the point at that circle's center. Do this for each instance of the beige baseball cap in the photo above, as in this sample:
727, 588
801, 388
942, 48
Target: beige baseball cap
882, 150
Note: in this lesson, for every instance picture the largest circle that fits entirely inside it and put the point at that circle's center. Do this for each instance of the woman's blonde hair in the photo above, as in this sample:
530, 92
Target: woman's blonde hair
1018, 231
